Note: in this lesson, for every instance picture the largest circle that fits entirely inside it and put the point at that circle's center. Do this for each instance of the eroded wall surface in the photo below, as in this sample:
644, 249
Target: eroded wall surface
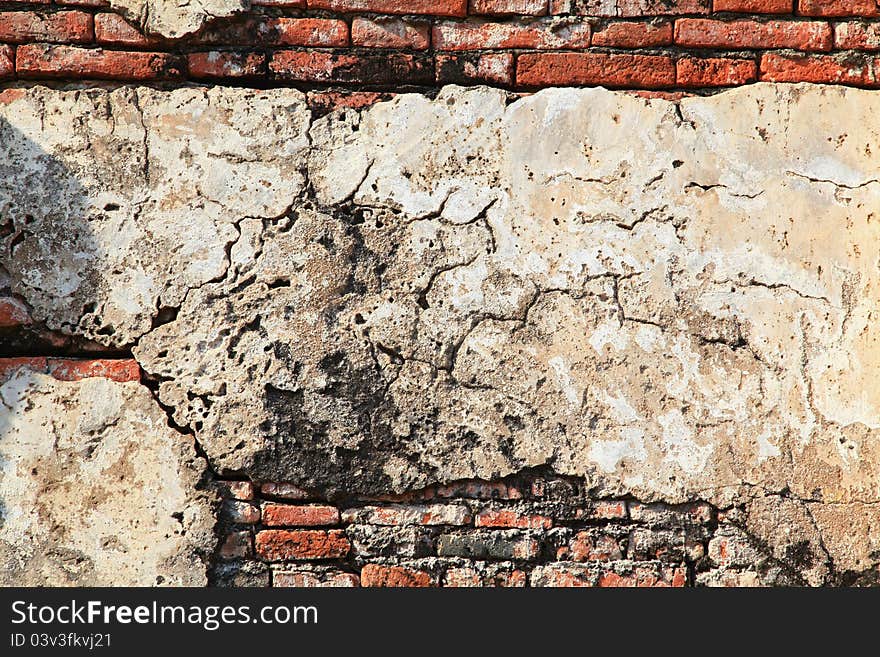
674, 302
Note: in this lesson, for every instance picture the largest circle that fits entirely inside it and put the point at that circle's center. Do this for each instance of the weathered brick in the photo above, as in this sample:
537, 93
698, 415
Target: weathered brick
242, 512
623, 574
286, 4
250, 31
7, 70
433, 7
311, 515
666, 544
237, 490
280, 544
559, 575
821, 69
668, 516
342, 67
729, 578
715, 71
613, 70
12, 311
475, 68
755, 6
370, 541
478, 489
852, 35
503, 544
241, 573
539, 34
9, 366
428, 514
70, 369
390, 33
236, 545
630, 34
824, 8
509, 7
500, 575
512, 519
395, 576
315, 579
58, 27
113, 30
46, 61
592, 546
83, 3
603, 510
218, 64
285, 491
629, 8
322, 102
750, 34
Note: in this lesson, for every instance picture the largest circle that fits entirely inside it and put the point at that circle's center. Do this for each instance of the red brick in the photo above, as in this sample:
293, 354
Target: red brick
114, 30
45, 61
715, 72
628, 34
586, 546
495, 577
390, 33
509, 7
755, 6
395, 576
644, 577
284, 491
69, 369
855, 35
739, 34
433, 7
475, 68
821, 69
866, 8
613, 70
327, 101
7, 68
535, 34
8, 366
312, 515
59, 27
241, 512
219, 64
316, 32
280, 544
313, 579
236, 545
384, 68
512, 519
12, 311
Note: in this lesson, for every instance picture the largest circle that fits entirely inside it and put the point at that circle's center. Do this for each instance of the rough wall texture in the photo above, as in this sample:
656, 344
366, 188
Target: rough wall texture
467, 336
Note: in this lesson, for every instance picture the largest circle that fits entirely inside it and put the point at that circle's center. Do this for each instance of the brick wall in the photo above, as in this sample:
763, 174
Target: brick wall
532, 530
519, 44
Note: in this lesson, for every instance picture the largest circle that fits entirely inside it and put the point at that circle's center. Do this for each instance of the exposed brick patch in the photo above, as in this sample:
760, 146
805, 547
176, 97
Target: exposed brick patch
12, 311
395, 576
69, 369
286, 515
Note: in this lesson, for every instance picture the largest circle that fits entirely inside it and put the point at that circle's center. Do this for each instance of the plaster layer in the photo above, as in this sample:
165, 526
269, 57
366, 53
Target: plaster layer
174, 19
96, 489
671, 300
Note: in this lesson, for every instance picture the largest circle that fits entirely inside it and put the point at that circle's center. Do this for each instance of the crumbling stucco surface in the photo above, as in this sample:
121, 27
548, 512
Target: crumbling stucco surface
173, 19
96, 489
672, 300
